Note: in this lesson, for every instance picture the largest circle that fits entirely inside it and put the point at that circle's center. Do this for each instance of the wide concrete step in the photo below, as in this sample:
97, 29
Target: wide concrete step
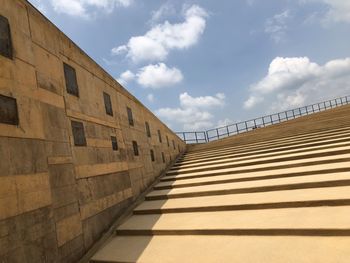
271, 142
287, 221
244, 168
309, 197
302, 182
263, 175
205, 249
330, 149
296, 148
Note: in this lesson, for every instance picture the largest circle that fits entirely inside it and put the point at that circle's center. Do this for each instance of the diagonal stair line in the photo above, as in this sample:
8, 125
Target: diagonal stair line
294, 148
259, 161
272, 140
316, 161
276, 156
270, 144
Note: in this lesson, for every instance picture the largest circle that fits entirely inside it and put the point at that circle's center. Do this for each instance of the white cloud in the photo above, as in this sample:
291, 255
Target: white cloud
294, 82
156, 44
194, 113
225, 122
202, 102
338, 10
150, 98
158, 76
165, 10
276, 26
85, 8
126, 77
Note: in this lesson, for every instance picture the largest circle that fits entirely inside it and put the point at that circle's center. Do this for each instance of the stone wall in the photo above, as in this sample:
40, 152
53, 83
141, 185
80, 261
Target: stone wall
60, 187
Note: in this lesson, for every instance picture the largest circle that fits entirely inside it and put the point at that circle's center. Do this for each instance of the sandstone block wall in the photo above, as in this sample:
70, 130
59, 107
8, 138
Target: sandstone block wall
57, 198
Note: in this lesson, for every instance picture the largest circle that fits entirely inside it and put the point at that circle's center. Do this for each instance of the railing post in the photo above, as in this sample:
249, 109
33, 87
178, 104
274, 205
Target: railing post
228, 131
237, 128
263, 121
207, 138
271, 119
217, 133
195, 134
279, 118
246, 126
184, 134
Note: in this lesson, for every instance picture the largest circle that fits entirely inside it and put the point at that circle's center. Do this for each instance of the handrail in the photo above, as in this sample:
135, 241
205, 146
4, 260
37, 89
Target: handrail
196, 137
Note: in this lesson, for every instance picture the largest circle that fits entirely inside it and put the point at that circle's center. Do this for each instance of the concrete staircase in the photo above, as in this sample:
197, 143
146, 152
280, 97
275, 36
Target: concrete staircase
276, 194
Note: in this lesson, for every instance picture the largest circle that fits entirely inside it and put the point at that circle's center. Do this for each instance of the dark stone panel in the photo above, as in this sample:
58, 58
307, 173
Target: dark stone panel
48, 84
4, 157
30, 237
58, 149
71, 80
64, 196
27, 156
8, 109
72, 251
61, 175
95, 226
65, 211
5, 38
100, 186
55, 128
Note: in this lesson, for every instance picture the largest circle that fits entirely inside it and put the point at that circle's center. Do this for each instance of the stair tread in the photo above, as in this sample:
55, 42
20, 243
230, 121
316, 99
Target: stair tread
262, 174
259, 166
287, 218
247, 249
299, 195
261, 158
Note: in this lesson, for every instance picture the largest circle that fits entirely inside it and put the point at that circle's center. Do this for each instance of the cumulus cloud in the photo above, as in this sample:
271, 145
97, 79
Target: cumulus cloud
338, 10
194, 113
158, 76
156, 44
85, 8
125, 77
165, 10
294, 82
276, 26
154, 76
150, 98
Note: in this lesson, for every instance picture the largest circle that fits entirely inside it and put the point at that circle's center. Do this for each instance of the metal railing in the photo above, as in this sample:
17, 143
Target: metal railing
245, 126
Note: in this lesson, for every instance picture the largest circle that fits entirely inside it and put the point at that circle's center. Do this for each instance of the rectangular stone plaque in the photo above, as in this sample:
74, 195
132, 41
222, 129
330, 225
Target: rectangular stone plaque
5, 38
108, 103
130, 117
152, 155
71, 80
8, 110
114, 143
136, 148
159, 136
148, 130
78, 133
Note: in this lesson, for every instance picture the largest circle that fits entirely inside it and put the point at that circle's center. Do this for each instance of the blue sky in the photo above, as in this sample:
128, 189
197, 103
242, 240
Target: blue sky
205, 63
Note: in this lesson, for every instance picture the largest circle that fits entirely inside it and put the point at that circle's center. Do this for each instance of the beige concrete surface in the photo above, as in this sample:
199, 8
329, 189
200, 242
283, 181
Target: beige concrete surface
296, 171
343, 141
213, 249
288, 218
330, 150
327, 180
267, 166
